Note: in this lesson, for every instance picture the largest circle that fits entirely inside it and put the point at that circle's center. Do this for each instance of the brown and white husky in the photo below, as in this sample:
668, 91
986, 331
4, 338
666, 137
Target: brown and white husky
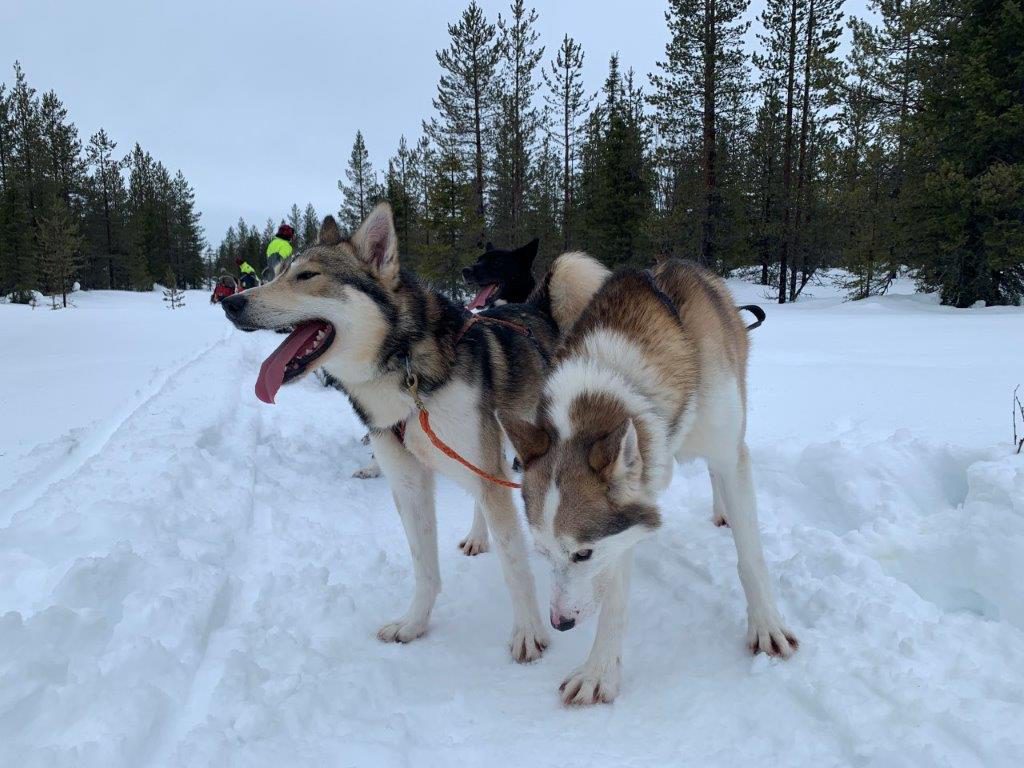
654, 371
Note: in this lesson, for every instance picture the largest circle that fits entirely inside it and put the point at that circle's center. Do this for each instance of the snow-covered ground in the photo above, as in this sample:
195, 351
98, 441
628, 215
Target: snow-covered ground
190, 577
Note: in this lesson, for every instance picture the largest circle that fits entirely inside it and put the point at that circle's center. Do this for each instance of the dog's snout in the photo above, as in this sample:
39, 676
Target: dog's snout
234, 305
467, 273
562, 624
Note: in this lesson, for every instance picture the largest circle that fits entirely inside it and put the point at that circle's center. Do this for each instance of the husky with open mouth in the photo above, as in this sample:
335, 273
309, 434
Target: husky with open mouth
502, 277
399, 350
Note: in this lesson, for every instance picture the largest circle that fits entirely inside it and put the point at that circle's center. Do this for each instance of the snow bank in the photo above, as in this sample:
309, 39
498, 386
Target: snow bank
189, 577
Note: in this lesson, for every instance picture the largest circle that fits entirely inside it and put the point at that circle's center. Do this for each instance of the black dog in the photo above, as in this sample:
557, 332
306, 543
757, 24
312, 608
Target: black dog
502, 277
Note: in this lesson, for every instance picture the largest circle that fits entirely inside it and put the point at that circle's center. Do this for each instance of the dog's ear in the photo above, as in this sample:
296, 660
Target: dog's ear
329, 232
376, 243
529, 441
616, 456
529, 251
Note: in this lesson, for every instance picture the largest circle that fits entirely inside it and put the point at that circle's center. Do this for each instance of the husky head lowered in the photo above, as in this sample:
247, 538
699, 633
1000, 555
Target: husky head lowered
336, 294
584, 494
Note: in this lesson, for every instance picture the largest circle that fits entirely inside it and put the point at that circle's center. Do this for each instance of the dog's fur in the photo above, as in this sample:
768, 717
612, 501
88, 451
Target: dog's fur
509, 276
388, 328
509, 273
654, 371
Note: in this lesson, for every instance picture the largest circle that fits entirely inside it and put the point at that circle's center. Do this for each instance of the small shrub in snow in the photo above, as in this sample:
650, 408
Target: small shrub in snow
175, 299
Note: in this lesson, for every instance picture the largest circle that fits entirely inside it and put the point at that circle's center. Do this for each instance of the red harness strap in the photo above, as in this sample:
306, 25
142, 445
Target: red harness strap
451, 453
437, 442
474, 319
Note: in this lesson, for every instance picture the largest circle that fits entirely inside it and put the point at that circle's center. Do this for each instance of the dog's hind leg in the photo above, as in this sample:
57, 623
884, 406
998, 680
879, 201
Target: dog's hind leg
529, 637
412, 486
476, 542
765, 629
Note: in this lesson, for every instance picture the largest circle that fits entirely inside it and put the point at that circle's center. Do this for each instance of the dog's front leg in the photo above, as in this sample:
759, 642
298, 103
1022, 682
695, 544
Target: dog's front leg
529, 637
598, 679
412, 486
765, 629
476, 540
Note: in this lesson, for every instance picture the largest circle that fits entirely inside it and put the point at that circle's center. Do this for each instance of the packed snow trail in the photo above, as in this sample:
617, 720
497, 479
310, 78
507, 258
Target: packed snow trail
204, 587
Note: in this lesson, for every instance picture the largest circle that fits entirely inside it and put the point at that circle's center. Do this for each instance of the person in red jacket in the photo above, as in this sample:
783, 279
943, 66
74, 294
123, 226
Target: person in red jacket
225, 287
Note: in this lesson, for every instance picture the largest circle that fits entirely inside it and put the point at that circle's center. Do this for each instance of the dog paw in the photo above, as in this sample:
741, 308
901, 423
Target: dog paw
368, 472
474, 545
771, 637
592, 684
401, 631
528, 644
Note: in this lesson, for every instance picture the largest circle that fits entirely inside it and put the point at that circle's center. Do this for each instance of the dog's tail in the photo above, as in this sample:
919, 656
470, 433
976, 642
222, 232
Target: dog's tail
757, 312
568, 287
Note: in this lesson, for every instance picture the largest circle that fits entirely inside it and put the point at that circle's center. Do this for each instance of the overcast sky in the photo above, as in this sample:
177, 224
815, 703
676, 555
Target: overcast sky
257, 102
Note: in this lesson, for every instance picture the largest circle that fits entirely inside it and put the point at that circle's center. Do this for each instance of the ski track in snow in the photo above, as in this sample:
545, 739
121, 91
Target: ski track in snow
201, 584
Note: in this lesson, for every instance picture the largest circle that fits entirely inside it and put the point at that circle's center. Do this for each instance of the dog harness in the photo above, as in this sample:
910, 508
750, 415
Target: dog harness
412, 387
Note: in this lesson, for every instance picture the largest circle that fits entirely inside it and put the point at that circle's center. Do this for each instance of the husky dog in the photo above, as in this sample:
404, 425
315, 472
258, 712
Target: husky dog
499, 277
653, 371
394, 346
502, 277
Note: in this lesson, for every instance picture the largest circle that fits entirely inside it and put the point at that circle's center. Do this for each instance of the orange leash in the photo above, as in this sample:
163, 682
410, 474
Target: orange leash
412, 383
451, 453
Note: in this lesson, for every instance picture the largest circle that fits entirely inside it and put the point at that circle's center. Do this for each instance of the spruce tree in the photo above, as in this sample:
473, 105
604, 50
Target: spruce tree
360, 193
295, 222
107, 198
518, 122
60, 256
968, 203
464, 103
700, 97
569, 103
310, 226
615, 180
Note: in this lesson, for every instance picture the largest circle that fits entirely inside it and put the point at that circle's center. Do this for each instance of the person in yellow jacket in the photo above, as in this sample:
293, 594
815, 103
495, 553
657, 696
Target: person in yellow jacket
280, 248
249, 278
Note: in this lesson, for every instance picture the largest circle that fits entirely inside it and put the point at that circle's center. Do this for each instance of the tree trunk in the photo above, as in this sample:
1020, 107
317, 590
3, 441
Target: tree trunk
801, 176
787, 166
566, 151
707, 245
479, 159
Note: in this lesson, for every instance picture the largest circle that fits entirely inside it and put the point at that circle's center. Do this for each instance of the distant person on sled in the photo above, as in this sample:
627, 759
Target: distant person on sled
249, 278
278, 251
226, 286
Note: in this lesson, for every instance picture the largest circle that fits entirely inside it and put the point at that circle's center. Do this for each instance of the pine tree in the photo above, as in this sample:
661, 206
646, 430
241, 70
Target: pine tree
295, 222
518, 122
59, 250
360, 194
174, 297
968, 203
62, 148
464, 104
701, 99
569, 104
107, 195
310, 226
452, 219
615, 179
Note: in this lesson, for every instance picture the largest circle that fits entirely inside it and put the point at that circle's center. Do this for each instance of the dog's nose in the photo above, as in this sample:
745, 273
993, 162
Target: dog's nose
234, 305
466, 272
563, 624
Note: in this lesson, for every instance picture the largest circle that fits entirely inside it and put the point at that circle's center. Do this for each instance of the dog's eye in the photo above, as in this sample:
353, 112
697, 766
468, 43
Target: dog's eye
583, 554
306, 275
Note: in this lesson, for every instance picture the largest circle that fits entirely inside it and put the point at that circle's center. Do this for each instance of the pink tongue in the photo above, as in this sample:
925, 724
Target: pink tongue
483, 296
272, 371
